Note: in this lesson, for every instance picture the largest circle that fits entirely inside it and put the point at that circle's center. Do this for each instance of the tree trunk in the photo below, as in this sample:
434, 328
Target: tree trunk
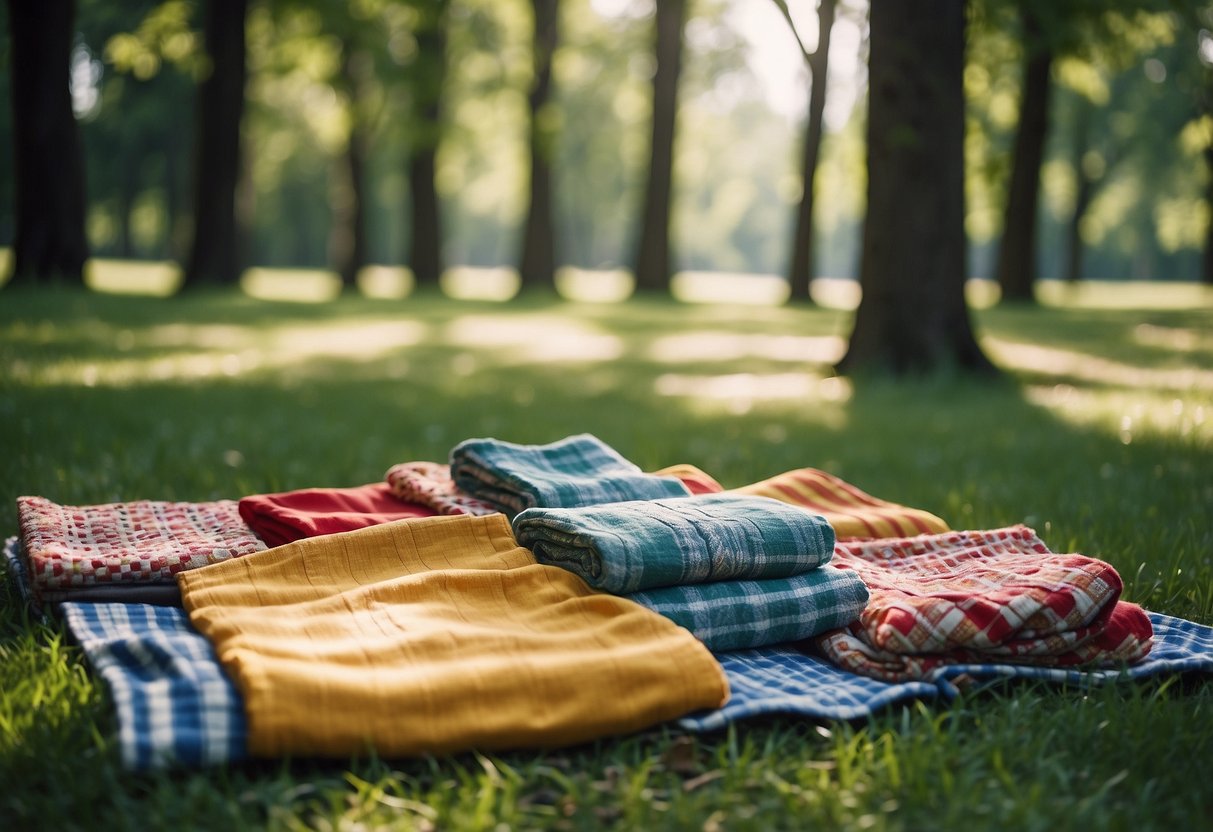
48, 170
1084, 191
1016, 271
537, 265
1206, 260
425, 237
800, 273
347, 239
215, 253
654, 261
913, 316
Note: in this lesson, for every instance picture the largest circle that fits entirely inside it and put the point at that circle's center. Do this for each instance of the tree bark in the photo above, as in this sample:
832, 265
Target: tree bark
347, 239
1206, 260
537, 265
48, 170
654, 260
913, 316
216, 251
1016, 270
800, 272
425, 233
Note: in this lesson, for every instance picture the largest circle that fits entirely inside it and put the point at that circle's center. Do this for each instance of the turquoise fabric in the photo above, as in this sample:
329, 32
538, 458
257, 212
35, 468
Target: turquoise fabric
735, 615
633, 546
577, 471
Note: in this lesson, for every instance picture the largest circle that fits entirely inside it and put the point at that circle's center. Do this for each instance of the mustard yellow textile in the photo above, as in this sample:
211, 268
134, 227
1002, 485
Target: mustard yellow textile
854, 514
437, 635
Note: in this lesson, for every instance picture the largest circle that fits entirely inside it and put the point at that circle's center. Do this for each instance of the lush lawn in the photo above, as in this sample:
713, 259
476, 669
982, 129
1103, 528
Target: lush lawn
1101, 439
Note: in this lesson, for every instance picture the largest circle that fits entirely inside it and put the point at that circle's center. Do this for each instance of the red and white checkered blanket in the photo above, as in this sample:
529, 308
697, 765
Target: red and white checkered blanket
980, 596
136, 542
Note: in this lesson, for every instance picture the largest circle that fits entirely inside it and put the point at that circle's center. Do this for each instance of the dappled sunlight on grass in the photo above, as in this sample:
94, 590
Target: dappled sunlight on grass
385, 282
738, 393
1128, 415
473, 283
540, 339
133, 277
836, 293
1098, 294
291, 285
722, 345
594, 286
1084, 367
1179, 339
723, 287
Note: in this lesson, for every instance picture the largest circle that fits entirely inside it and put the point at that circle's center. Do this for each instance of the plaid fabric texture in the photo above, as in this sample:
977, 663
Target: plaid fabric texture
644, 544
576, 471
14, 563
734, 615
144, 541
853, 514
982, 595
430, 484
781, 680
174, 703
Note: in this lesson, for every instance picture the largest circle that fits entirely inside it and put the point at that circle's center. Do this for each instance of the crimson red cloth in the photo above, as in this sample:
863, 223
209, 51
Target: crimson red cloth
292, 515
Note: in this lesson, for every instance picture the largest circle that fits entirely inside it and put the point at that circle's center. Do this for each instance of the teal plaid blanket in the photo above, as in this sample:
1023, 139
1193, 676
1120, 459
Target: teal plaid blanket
735, 615
576, 471
645, 544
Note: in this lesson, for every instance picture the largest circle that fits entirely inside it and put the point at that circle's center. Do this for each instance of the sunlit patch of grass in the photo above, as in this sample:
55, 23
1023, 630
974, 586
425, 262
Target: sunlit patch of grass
1099, 294
133, 277
385, 282
291, 285
729, 288
594, 286
1085, 367
475, 283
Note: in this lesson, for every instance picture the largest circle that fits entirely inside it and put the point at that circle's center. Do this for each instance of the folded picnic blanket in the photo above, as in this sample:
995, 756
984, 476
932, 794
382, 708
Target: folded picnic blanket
733, 615
998, 595
437, 635
783, 680
430, 484
175, 704
127, 543
293, 515
645, 544
852, 513
576, 471
156, 663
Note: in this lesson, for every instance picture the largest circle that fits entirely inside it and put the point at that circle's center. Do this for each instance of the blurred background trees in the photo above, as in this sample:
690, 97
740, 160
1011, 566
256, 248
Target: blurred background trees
518, 134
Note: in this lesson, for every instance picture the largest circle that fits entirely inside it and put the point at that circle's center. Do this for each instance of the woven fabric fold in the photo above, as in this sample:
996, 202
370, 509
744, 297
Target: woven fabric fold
854, 514
437, 635
782, 680
136, 542
644, 544
175, 705
734, 615
576, 471
288, 516
430, 484
982, 595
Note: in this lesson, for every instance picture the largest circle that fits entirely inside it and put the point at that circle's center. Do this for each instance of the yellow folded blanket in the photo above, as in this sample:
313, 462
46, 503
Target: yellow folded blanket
854, 514
437, 635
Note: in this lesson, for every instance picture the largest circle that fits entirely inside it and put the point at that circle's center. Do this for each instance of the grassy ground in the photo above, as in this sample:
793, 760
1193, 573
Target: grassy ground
1101, 439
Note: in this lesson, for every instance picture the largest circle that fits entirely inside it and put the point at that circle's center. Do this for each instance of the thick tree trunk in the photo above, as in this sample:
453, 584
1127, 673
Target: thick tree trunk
537, 265
800, 273
654, 261
913, 316
215, 253
347, 239
425, 233
48, 170
1206, 261
1016, 271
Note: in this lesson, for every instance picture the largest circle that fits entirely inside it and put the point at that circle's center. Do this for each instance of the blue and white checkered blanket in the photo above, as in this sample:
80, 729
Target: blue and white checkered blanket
175, 704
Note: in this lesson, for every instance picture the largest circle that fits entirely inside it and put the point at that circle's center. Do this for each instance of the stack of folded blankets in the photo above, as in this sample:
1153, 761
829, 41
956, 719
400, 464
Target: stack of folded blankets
536, 596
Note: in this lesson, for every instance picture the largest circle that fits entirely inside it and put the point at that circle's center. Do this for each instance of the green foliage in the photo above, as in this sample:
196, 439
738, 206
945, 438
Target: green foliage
1104, 443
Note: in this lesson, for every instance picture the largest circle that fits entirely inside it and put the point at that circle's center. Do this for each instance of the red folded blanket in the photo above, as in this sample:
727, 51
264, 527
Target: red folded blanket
982, 596
292, 515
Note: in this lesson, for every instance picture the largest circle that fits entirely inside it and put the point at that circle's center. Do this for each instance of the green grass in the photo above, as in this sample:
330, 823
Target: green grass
1101, 439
